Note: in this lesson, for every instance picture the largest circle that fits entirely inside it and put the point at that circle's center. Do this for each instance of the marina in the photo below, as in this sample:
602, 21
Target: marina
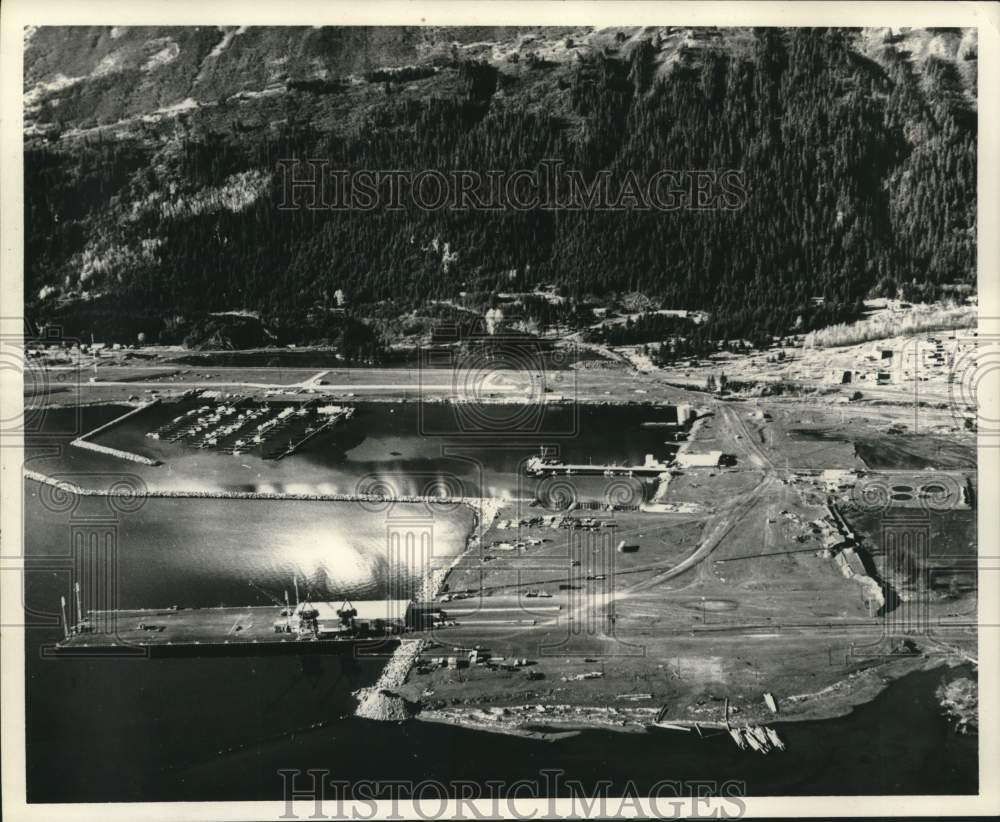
270, 429
375, 448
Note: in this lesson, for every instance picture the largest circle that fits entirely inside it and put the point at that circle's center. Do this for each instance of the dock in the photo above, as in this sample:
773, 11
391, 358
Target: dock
272, 430
249, 629
548, 467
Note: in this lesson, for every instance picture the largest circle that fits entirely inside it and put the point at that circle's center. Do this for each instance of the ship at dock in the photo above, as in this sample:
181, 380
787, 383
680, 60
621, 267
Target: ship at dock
545, 465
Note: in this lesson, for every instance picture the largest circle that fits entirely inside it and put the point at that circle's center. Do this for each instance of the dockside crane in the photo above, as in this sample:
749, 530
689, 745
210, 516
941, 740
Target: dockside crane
270, 596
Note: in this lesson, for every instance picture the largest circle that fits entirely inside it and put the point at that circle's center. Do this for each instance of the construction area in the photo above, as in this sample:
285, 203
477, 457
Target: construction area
775, 575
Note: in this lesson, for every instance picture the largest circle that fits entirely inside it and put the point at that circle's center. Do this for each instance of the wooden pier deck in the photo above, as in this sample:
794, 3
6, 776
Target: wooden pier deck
182, 626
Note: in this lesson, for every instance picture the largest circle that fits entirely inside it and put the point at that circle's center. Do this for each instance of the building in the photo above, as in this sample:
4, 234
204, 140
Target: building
713, 459
838, 479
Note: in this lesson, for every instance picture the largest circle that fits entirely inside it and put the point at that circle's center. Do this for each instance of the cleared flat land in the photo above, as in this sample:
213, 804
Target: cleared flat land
117, 376
731, 602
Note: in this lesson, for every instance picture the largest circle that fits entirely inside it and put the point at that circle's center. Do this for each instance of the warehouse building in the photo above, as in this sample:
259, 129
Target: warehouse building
713, 459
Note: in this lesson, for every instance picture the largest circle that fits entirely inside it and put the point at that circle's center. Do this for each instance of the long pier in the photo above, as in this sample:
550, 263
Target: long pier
542, 467
163, 627
234, 629
334, 419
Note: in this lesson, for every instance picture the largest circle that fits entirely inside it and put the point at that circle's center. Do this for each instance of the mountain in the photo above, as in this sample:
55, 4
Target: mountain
153, 176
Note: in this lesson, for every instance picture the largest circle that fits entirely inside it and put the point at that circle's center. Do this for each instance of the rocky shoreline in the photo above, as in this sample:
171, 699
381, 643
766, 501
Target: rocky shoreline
544, 721
960, 701
380, 702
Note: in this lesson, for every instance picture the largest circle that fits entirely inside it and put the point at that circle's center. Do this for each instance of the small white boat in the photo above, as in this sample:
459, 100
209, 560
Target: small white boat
775, 739
738, 738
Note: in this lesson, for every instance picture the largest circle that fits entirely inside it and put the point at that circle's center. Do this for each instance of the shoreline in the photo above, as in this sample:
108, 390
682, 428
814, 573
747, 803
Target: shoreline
379, 702
559, 721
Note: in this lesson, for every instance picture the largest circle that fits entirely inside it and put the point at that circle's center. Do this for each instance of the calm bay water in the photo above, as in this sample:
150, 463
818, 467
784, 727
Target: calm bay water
215, 729
207, 552
411, 448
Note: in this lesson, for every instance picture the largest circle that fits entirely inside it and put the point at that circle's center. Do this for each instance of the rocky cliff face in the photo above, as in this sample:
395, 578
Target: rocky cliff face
121, 80
116, 80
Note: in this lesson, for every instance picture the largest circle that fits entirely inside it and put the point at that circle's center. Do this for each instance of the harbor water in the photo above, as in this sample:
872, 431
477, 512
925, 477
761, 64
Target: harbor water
222, 728
427, 449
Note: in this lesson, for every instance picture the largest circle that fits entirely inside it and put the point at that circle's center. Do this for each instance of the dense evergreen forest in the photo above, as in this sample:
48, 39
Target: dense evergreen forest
860, 177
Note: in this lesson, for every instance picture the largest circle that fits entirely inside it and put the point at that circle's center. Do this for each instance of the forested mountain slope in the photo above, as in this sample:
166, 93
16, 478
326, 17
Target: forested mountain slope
152, 182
